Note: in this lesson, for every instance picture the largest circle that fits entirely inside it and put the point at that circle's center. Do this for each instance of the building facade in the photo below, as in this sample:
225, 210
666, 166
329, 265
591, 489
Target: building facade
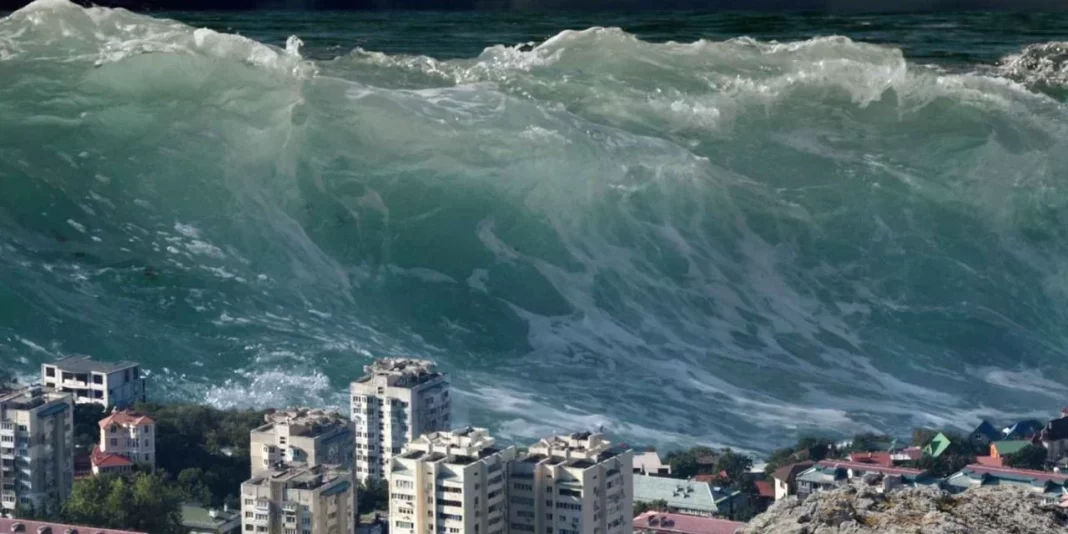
17, 526
301, 436
572, 484
94, 382
692, 497
395, 401
320, 499
36, 448
126, 439
450, 483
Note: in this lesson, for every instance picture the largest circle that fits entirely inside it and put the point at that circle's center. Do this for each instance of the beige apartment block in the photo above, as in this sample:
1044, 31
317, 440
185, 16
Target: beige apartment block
572, 484
301, 436
450, 483
320, 499
395, 401
36, 448
90, 381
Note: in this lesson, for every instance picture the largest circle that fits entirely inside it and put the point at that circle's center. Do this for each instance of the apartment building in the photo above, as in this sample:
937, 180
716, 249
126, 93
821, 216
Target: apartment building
319, 499
36, 448
302, 436
572, 484
126, 439
450, 483
94, 382
396, 400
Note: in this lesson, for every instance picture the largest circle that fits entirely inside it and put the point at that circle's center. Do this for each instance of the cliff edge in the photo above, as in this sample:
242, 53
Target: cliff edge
862, 510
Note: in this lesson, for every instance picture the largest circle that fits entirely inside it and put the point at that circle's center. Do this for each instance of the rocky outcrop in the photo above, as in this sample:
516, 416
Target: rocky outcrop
862, 510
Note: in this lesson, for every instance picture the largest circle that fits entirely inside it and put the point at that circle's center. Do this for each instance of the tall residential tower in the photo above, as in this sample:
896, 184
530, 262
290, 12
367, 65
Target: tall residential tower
397, 400
36, 448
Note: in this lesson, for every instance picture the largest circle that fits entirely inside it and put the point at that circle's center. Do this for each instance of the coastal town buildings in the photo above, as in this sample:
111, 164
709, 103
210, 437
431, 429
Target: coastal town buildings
450, 482
1052, 486
666, 523
785, 478
829, 474
301, 436
22, 526
90, 381
126, 439
689, 497
36, 448
572, 484
318, 499
395, 401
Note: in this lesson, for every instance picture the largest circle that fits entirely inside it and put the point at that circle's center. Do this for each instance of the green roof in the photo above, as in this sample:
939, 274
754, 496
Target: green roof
1011, 446
937, 446
681, 494
198, 517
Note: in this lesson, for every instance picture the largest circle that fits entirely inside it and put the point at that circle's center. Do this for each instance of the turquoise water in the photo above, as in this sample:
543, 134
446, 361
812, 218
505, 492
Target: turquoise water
727, 229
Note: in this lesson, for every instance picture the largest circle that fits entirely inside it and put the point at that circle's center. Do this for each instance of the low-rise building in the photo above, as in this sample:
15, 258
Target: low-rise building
649, 463
320, 499
200, 520
984, 434
786, 478
1001, 449
1054, 437
91, 381
665, 523
572, 484
17, 526
1053, 486
36, 448
1021, 430
301, 436
450, 482
126, 439
829, 474
688, 496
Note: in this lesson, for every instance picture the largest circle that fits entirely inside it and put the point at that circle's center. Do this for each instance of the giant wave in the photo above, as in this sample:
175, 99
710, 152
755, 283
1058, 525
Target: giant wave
729, 242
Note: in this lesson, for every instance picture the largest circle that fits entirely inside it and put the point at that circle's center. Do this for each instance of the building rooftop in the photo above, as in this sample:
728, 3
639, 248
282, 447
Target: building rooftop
304, 422
85, 364
198, 517
401, 371
649, 462
1010, 446
101, 459
125, 418
870, 468
1009, 474
788, 473
686, 524
301, 477
28, 398
679, 494
41, 527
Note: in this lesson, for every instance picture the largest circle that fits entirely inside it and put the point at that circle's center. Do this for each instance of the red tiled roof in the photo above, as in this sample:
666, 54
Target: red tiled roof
32, 527
871, 468
685, 524
105, 459
878, 458
1044, 476
988, 461
126, 417
764, 489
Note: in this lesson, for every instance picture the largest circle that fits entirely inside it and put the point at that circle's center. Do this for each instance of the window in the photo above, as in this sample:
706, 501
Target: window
50, 371
249, 527
248, 515
404, 524
518, 527
114, 442
248, 502
98, 379
549, 517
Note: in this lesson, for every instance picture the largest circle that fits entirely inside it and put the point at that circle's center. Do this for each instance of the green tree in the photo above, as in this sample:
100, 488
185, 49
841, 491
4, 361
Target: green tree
806, 448
1029, 457
372, 497
869, 442
87, 426
737, 467
684, 464
132, 501
640, 507
943, 466
922, 436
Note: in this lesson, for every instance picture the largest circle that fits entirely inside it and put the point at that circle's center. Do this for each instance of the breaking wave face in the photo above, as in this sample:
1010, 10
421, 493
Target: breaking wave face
728, 242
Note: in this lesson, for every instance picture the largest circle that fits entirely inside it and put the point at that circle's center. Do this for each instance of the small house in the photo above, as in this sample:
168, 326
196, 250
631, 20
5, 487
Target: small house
1001, 449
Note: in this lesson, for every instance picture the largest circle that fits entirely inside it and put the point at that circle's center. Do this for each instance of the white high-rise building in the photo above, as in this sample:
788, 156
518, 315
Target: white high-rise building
397, 400
90, 381
573, 484
36, 448
284, 499
450, 483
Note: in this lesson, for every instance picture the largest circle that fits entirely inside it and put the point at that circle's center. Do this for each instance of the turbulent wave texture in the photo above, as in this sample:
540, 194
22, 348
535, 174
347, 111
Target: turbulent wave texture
728, 242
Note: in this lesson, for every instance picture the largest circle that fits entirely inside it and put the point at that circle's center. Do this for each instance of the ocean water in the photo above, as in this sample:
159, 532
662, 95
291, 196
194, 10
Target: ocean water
719, 228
